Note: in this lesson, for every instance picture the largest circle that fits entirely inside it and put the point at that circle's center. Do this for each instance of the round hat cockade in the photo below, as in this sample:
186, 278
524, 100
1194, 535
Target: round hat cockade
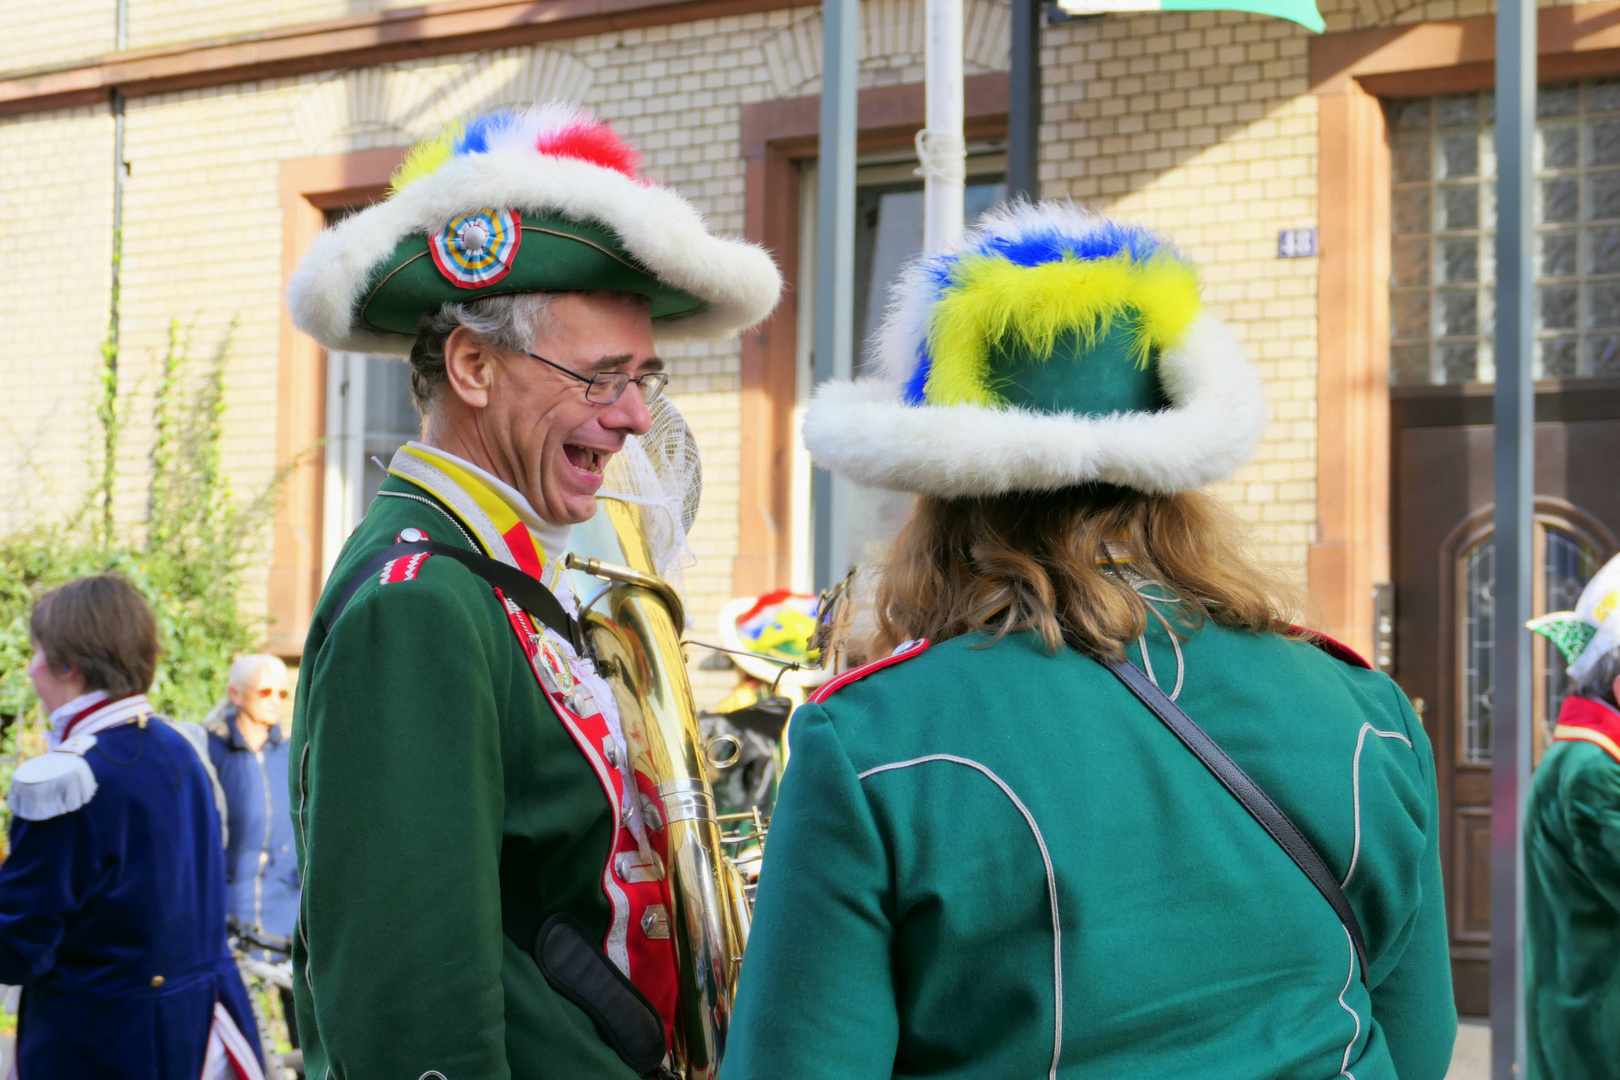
1051, 347
1592, 631
545, 199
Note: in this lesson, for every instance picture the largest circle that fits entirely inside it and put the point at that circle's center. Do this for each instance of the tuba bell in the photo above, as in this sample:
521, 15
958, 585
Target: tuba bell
634, 620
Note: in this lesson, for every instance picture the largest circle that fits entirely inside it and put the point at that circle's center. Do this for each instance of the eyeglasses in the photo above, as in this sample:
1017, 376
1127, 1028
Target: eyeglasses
604, 388
268, 691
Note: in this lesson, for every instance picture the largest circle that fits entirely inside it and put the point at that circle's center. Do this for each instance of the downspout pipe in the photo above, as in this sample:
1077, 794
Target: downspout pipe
833, 354
115, 104
1513, 413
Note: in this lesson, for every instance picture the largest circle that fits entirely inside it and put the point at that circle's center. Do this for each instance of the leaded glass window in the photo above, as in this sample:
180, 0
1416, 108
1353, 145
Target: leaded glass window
1443, 254
1478, 645
1567, 564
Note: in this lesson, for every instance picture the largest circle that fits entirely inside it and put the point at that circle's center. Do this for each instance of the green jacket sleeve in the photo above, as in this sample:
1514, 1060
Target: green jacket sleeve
402, 833
821, 930
1411, 996
1592, 815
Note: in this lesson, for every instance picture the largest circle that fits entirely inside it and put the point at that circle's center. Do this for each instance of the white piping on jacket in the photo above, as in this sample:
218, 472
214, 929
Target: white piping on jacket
1051, 884
1355, 789
1344, 1066
1355, 856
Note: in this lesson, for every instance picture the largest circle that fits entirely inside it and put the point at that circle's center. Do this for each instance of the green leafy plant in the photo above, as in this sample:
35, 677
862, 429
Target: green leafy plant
187, 557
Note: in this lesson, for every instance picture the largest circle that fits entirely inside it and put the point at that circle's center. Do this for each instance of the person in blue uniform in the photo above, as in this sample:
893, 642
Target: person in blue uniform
249, 753
112, 902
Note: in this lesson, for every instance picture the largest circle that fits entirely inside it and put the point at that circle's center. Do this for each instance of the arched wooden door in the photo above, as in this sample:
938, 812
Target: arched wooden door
1444, 584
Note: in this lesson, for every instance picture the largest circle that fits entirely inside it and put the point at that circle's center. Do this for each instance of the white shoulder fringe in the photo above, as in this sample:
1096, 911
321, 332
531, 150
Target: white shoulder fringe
55, 783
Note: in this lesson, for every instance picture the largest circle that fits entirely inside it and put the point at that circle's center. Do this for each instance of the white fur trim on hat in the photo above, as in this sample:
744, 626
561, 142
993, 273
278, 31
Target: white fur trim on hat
738, 281
865, 432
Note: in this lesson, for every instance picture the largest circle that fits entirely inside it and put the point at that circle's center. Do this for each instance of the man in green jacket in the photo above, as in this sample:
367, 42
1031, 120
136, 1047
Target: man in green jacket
460, 774
1572, 854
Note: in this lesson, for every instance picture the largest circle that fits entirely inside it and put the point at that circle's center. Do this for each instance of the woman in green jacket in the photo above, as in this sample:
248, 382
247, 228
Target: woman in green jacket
990, 860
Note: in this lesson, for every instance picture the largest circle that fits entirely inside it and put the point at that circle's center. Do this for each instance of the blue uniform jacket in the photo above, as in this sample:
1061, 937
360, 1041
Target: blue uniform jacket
112, 919
261, 868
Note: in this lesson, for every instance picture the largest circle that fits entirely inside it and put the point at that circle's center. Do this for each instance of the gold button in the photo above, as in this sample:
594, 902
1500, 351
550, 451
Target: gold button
157, 980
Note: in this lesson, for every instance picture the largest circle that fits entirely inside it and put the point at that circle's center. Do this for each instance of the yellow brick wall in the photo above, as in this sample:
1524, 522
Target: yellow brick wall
1201, 124
35, 34
55, 251
165, 22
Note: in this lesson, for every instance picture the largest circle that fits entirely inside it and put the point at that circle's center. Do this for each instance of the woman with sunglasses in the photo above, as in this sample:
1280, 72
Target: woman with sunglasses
249, 750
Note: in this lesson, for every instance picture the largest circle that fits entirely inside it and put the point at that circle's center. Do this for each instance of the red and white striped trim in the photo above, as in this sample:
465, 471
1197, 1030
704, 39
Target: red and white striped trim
230, 1056
905, 651
404, 568
111, 714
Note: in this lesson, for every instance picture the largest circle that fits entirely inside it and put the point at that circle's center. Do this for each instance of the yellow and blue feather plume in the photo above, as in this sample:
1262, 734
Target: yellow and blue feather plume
1024, 279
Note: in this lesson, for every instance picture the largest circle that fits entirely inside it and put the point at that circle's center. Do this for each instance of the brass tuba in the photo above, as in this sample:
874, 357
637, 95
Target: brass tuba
634, 621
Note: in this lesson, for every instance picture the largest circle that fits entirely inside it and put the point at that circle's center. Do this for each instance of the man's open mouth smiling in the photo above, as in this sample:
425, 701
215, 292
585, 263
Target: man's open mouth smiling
586, 459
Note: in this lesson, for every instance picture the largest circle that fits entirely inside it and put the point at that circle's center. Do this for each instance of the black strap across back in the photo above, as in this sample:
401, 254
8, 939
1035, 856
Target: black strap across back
1259, 805
524, 590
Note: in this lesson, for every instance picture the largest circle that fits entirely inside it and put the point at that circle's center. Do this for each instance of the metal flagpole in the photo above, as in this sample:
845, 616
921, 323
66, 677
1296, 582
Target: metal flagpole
1514, 415
1024, 102
833, 351
940, 147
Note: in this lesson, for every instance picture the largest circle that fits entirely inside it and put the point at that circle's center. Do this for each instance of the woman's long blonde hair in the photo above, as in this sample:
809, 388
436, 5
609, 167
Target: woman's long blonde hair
1046, 561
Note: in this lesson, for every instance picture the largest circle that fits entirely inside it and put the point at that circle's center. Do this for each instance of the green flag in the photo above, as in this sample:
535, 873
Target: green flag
1301, 11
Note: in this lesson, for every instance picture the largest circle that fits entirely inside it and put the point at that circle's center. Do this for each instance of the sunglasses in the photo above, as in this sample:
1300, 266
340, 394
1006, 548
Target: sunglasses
266, 692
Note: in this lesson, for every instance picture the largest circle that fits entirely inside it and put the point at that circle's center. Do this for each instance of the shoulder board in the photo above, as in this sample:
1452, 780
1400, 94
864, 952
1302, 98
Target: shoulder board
404, 568
55, 783
905, 651
1336, 649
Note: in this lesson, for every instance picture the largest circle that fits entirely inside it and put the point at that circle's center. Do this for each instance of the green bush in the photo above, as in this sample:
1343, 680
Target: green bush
187, 557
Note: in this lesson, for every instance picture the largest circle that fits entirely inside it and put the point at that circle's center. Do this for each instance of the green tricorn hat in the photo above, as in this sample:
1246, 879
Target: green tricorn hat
544, 200
1592, 631
1051, 347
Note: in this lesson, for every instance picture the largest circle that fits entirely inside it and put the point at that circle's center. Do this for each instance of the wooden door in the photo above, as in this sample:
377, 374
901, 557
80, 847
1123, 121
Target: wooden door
1442, 563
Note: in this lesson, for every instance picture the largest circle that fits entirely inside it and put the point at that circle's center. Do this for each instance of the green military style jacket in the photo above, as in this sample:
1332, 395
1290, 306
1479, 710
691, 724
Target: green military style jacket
1572, 899
937, 812
431, 775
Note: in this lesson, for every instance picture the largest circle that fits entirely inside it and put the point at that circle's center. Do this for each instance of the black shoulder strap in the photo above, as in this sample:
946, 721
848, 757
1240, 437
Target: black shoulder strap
524, 590
1246, 791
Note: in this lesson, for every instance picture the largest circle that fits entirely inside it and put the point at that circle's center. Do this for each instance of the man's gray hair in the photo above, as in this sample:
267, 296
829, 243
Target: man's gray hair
1598, 682
250, 665
509, 321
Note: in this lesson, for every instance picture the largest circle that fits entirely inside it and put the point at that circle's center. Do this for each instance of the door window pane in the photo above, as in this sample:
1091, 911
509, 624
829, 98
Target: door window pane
1443, 215
888, 232
391, 419
1478, 627
1569, 564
